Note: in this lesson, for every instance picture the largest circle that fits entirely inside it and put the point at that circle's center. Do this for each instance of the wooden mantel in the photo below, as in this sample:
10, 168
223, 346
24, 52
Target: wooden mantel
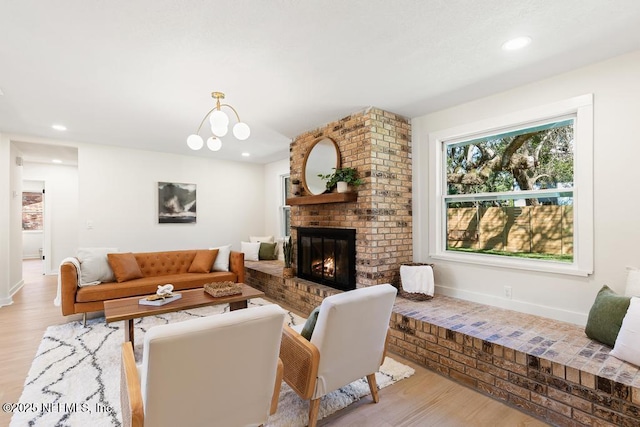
323, 198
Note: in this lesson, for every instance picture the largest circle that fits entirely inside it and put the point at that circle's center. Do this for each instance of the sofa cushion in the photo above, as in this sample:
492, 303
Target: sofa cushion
124, 266
165, 263
203, 261
94, 265
149, 285
222, 260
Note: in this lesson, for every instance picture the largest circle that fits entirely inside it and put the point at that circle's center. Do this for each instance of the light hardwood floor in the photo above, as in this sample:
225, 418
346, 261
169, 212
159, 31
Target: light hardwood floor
425, 399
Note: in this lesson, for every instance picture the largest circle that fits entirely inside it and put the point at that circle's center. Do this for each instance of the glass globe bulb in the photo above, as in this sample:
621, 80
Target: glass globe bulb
241, 131
195, 142
214, 144
218, 119
221, 131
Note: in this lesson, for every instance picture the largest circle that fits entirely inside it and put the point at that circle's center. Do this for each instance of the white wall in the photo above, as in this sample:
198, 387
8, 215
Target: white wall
15, 222
116, 189
5, 210
61, 210
614, 84
119, 196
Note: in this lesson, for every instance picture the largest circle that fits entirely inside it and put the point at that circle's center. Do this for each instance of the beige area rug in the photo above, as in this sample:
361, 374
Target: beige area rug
74, 379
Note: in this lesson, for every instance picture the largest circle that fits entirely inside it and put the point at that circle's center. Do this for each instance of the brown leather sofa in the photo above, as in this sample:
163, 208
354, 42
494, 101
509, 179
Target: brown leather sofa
158, 268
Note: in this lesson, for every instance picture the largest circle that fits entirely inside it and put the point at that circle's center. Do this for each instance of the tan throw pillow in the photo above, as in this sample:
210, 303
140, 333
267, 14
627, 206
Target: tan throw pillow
203, 261
124, 266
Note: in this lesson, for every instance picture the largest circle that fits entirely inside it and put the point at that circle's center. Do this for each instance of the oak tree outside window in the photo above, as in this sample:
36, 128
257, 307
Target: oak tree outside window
511, 194
506, 190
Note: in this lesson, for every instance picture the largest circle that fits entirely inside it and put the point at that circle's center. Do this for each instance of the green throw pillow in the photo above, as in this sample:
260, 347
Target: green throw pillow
310, 324
605, 316
267, 251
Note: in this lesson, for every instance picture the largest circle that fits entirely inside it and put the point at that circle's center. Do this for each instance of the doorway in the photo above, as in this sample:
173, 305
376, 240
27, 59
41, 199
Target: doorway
33, 224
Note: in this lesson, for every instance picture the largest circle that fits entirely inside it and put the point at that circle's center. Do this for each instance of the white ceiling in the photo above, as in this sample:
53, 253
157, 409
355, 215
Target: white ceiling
140, 73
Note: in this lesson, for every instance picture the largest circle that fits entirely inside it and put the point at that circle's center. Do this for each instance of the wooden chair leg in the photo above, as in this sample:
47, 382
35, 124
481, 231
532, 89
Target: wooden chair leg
371, 379
276, 389
314, 407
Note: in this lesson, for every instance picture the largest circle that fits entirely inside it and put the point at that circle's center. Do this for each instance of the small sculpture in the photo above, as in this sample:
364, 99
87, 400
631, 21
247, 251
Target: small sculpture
164, 291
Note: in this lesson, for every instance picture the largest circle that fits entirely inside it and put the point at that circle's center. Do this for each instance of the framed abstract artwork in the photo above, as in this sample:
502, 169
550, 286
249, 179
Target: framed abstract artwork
176, 203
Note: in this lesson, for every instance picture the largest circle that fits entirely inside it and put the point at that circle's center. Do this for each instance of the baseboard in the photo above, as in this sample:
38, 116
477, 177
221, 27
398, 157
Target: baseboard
12, 291
515, 305
15, 288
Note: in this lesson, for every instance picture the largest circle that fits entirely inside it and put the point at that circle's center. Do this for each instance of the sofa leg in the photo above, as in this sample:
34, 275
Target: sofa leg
84, 320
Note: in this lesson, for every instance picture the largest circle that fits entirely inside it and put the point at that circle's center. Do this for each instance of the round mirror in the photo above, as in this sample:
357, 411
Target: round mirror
321, 158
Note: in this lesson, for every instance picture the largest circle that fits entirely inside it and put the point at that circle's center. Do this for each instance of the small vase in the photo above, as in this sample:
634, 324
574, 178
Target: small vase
343, 187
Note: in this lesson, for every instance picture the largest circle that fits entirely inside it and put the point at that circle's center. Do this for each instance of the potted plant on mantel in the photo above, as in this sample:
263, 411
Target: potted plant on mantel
342, 178
287, 250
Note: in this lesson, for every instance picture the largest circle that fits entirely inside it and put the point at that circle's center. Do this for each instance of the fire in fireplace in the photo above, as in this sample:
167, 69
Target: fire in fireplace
328, 256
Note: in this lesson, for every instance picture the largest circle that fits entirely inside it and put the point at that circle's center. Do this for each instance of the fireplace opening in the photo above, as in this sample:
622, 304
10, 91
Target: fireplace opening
328, 256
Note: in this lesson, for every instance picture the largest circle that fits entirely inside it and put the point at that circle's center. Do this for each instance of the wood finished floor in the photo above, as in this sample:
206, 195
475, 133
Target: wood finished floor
425, 399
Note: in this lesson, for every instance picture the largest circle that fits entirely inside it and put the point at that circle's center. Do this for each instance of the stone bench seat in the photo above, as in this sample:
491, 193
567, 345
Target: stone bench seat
547, 368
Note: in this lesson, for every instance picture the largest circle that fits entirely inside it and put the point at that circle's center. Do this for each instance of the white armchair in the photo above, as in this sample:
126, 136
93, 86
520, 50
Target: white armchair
218, 370
348, 343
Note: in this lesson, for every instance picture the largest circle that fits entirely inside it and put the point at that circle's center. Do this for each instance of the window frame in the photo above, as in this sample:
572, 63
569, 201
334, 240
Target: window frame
582, 108
285, 210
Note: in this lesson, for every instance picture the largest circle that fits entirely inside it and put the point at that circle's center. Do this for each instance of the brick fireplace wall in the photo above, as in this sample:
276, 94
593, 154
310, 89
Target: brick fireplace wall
378, 144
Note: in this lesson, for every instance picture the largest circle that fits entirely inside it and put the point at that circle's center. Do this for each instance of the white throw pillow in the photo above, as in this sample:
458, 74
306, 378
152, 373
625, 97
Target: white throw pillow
633, 282
94, 266
222, 260
626, 347
260, 239
250, 250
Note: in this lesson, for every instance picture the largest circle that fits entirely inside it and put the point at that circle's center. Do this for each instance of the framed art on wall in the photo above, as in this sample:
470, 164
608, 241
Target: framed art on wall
176, 203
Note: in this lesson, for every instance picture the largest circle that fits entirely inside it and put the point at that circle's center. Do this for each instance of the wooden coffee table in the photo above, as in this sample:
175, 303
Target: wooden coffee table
128, 309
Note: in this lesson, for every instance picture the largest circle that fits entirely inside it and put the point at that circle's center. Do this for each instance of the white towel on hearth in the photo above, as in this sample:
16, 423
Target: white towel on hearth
58, 300
417, 279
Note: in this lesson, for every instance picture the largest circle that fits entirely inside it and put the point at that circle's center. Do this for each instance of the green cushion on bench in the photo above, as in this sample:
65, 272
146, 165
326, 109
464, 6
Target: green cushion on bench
606, 315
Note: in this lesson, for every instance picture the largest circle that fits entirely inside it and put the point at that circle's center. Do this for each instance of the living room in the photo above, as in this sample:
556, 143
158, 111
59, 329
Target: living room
109, 198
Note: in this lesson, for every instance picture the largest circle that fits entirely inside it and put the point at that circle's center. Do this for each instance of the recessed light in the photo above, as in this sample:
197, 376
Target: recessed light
246, 154
56, 161
59, 127
516, 43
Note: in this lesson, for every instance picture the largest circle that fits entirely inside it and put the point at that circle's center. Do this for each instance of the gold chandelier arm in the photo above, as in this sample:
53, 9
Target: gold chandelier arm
234, 111
205, 118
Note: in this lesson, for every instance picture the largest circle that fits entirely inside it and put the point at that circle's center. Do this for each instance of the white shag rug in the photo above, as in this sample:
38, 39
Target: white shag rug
74, 379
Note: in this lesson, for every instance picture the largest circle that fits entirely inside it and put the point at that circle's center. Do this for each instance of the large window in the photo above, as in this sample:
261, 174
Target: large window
506, 190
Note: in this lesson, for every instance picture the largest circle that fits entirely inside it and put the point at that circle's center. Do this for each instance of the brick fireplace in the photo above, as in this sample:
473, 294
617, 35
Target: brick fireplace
378, 144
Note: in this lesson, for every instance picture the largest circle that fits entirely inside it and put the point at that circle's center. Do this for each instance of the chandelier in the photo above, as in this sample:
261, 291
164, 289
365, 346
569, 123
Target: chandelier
219, 122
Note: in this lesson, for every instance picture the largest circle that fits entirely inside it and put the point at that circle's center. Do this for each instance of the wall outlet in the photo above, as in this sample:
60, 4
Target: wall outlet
507, 292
